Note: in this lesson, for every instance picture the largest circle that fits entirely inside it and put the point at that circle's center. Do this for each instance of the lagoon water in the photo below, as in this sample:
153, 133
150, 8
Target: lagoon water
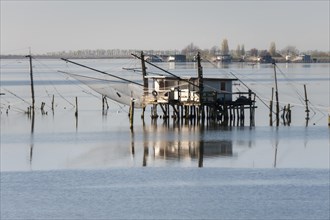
95, 167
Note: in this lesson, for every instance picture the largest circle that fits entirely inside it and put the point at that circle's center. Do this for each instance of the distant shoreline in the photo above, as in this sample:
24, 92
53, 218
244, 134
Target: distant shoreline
277, 59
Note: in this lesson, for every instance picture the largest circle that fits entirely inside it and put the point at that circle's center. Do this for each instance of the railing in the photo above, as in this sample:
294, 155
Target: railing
187, 96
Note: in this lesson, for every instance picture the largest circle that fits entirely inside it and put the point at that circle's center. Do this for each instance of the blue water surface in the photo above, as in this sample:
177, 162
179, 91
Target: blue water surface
166, 193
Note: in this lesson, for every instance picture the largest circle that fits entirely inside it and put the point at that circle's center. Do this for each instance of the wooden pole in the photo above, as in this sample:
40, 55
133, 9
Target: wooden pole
103, 104
276, 97
131, 114
288, 115
283, 115
31, 78
200, 84
234, 114
53, 103
76, 113
42, 108
250, 107
271, 108
242, 115
238, 116
145, 82
306, 103
253, 110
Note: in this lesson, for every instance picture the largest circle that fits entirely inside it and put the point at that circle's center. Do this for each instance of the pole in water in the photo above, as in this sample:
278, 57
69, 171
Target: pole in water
105, 105
145, 83
131, 113
31, 78
76, 113
276, 97
271, 109
200, 83
53, 103
288, 115
306, 103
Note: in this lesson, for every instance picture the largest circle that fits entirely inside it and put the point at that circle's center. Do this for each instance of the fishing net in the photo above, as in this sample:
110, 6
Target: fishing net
119, 91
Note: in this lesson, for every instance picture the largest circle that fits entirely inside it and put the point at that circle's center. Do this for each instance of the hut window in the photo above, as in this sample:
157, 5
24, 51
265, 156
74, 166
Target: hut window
161, 84
223, 86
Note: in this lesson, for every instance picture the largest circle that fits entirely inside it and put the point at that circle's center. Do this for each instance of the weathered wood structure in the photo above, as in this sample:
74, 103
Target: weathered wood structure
198, 98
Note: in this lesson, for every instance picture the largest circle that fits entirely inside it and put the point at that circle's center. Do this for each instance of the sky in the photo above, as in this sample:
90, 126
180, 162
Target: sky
58, 25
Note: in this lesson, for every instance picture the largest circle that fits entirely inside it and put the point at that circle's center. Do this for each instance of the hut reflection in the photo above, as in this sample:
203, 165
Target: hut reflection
192, 149
183, 143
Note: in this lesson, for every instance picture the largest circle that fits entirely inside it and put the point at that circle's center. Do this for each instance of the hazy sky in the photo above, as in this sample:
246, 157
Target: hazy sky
70, 25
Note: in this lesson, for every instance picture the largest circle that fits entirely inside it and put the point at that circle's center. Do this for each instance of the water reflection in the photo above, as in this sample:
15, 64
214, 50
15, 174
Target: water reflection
171, 144
186, 142
276, 146
32, 115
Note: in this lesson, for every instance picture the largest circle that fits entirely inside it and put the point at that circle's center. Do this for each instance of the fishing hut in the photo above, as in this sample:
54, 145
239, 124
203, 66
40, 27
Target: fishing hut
197, 98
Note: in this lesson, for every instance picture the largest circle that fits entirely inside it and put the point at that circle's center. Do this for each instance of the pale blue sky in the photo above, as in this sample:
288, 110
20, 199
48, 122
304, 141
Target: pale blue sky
70, 25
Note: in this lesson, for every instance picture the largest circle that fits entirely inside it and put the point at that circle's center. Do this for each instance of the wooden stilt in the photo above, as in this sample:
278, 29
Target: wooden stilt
242, 115
131, 114
42, 108
181, 112
238, 116
102, 103
226, 118
154, 111
253, 110
230, 115
283, 115
198, 116
234, 115
250, 107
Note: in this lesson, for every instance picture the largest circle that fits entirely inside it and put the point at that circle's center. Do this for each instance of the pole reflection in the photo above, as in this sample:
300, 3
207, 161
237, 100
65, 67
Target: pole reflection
32, 136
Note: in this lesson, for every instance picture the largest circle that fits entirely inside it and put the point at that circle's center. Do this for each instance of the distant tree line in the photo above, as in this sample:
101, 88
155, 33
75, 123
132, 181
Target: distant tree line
190, 51
240, 52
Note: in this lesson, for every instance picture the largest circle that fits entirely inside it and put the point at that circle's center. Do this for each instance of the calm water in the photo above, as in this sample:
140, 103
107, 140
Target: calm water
91, 167
165, 193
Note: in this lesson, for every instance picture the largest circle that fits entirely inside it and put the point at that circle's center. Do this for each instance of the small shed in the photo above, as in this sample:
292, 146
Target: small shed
189, 89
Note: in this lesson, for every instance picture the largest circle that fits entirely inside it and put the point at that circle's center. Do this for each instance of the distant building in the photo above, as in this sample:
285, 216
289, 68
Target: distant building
265, 59
287, 58
303, 58
177, 58
225, 58
306, 58
153, 58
